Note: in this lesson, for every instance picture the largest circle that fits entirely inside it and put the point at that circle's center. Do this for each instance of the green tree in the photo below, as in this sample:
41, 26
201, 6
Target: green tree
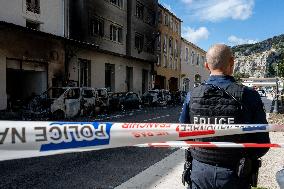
271, 70
281, 69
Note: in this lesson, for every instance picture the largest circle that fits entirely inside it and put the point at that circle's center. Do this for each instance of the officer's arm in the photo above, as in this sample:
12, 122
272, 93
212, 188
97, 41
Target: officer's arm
258, 116
184, 117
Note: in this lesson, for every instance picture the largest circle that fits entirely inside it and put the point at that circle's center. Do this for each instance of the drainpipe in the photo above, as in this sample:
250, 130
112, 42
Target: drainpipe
65, 40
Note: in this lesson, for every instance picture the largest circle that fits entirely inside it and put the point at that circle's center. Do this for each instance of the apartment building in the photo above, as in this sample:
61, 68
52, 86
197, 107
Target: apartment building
121, 34
193, 71
167, 68
46, 16
31, 47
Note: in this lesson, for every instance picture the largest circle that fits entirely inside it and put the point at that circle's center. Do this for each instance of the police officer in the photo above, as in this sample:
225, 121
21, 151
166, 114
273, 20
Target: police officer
222, 101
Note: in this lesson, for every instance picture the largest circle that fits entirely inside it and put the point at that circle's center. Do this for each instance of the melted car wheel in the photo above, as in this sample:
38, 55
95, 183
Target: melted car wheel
58, 115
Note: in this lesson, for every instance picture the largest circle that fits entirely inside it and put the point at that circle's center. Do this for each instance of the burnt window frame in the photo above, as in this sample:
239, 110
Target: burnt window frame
119, 33
151, 17
99, 32
141, 7
117, 3
33, 6
139, 46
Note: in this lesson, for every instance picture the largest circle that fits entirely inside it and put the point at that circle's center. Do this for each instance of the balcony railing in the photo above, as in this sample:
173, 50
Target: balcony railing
31, 7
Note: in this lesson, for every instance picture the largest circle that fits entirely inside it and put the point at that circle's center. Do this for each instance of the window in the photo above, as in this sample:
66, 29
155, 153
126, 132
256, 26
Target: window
176, 48
175, 64
129, 78
139, 42
145, 81
139, 10
158, 60
159, 43
171, 22
171, 63
73, 93
110, 77
88, 93
165, 61
118, 3
151, 17
202, 60
165, 19
192, 56
97, 27
116, 33
197, 60
150, 45
176, 27
32, 25
186, 55
171, 45
165, 44
33, 6
84, 73
160, 17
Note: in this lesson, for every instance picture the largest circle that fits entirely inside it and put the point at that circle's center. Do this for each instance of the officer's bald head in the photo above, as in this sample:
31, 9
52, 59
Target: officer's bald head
218, 57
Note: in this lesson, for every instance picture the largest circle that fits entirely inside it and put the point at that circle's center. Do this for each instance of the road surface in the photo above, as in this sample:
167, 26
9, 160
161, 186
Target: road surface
115, 168
98, 169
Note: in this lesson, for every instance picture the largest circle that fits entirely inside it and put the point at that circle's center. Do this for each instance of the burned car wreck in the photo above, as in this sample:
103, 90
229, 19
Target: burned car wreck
154, 98
62, 102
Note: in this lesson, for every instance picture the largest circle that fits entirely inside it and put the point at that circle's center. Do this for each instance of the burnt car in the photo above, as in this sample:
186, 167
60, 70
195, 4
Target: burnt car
124, 100
102, 102
154, 98
63, 102
262, 93
178, 97
167, 95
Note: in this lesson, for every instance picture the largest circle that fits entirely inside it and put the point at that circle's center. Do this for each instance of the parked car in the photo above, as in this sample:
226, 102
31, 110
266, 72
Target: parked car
124, 100
262, 93
154, 98
102, 102
167, 95
64, 102
178, 97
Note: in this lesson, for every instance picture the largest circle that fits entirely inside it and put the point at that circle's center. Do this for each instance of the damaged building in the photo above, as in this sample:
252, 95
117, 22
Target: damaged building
85, 43
31, 48
124, 47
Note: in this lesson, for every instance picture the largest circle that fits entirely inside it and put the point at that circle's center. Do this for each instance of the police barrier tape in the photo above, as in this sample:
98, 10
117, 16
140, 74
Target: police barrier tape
193, 144
32, 139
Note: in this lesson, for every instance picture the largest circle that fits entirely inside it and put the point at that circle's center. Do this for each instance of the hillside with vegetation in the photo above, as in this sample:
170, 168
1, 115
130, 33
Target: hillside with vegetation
260, 59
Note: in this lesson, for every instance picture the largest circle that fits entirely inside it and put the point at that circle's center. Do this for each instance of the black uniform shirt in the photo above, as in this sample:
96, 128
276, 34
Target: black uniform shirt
254, 114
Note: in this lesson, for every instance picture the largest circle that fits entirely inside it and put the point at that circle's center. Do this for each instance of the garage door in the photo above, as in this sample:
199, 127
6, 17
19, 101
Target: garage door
25, 78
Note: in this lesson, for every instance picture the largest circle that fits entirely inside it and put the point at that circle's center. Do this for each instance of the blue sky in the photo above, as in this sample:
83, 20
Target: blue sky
232, 22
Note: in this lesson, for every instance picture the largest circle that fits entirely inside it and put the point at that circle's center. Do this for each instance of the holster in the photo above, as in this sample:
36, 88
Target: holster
248, 169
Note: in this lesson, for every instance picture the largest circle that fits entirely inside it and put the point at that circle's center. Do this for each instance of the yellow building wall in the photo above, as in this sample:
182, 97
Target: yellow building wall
169, 70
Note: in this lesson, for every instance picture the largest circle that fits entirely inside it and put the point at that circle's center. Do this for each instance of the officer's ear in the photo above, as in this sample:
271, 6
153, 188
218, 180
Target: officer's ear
206, 65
